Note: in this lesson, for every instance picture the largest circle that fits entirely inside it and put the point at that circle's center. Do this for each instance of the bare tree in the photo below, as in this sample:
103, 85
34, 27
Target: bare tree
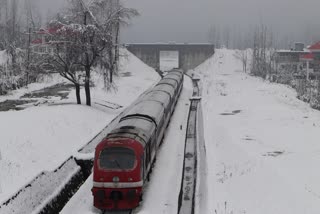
66, 55
16, 26
262, 43
243, 56
96, 26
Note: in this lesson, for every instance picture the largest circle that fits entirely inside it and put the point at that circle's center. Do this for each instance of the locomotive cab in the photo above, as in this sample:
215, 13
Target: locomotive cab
117, 178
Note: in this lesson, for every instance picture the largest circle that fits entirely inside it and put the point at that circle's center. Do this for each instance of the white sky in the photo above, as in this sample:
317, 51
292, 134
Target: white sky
190, 20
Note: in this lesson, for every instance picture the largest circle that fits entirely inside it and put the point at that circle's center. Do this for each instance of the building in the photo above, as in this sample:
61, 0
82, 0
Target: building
41, 42
299, 61
289, 60
307, 67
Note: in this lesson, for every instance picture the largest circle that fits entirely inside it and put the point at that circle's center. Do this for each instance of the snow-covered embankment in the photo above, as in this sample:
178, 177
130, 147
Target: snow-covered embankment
262, 143
41, 138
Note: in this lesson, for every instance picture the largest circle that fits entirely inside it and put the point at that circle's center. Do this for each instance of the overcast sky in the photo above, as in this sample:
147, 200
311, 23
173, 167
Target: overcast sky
190, 20
52, 5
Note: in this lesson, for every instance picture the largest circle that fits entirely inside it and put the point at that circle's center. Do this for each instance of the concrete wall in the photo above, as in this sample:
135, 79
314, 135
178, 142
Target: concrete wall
190, 55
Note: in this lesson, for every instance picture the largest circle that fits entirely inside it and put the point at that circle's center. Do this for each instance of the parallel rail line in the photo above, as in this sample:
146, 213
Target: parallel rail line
189, 173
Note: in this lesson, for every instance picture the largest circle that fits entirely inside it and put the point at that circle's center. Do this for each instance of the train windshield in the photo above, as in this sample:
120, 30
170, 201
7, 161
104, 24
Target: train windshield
117, 158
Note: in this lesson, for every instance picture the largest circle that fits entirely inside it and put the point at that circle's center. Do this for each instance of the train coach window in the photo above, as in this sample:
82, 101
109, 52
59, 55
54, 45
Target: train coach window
117, 158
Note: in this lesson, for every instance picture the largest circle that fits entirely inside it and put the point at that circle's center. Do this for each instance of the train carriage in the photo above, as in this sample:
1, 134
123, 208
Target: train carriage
175, 74
165, 88
123, 160
171, 82
162, 97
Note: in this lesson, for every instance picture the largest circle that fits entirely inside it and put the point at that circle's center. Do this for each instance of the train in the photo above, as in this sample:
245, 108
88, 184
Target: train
124, 158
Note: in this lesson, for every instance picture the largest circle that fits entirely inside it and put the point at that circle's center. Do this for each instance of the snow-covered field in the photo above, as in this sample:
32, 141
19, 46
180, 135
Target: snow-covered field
262, 145
162, 192
263, 150
40, 138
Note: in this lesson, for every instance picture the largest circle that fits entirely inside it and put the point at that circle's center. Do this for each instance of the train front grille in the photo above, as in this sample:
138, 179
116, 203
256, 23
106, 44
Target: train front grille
116, 195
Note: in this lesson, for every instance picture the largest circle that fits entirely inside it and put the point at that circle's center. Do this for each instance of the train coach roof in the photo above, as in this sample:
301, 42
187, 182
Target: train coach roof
172, 77
177, 70
168, 81
166, 88
160, 96
148, 109
134, 128
175, 73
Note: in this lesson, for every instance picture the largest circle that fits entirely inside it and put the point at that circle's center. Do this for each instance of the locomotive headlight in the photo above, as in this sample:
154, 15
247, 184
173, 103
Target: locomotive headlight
115, 179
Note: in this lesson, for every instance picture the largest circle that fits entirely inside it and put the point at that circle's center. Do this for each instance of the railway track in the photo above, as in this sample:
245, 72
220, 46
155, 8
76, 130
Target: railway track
190, 165
189, 174
118, 212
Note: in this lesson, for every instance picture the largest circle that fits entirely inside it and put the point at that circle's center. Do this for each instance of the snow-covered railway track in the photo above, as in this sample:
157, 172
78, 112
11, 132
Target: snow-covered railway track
118, 212
189, 174
156, 200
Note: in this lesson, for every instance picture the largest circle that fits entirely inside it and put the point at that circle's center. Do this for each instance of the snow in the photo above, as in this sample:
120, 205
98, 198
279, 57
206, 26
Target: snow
82, 201
135, 78
3, 57
46, 81
42, 190
262, 143
201, 185
40, 138
167, 171
262, 147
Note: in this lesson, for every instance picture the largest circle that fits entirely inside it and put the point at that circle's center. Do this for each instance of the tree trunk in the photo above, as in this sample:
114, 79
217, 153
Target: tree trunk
87, 69
78, 93
111, 69
28, 57
117, 47
87, 86
111, 76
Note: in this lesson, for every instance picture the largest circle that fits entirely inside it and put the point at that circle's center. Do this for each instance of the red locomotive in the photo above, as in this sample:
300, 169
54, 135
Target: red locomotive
123, 160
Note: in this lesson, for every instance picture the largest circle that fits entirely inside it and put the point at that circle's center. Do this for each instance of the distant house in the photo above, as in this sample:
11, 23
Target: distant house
315, 50
289, 60
41, 42
311, 61
300, 61
307, 66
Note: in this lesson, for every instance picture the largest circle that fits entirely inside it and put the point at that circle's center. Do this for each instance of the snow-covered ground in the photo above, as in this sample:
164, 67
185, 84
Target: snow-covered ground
262, 143
40, 138
162, 192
